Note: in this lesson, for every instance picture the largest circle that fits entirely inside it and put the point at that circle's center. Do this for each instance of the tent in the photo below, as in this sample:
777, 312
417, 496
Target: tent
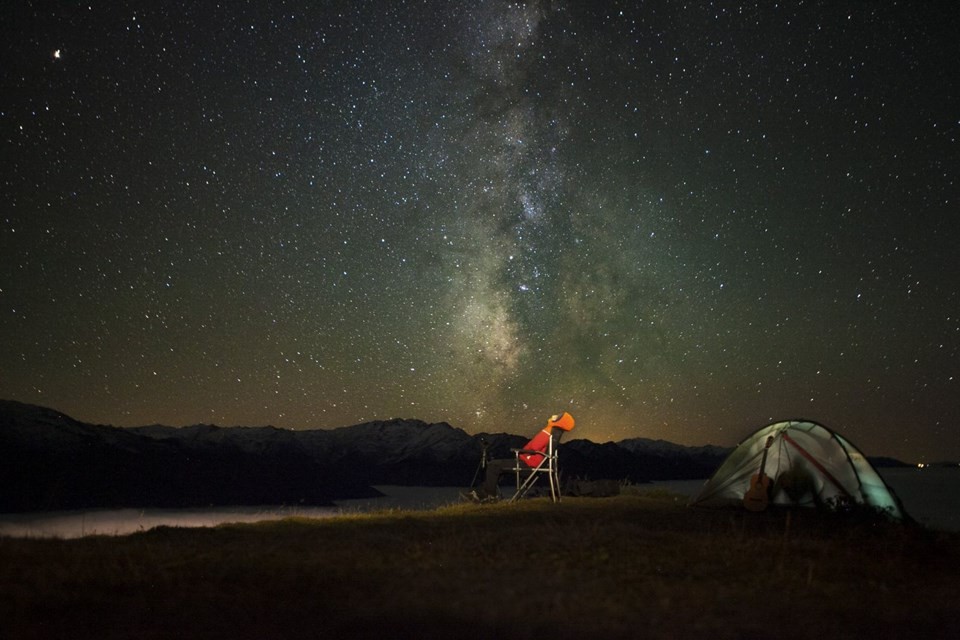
804, 464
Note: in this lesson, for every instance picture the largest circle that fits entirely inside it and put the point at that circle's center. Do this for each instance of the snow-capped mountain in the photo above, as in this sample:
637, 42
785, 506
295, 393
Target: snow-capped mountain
51, 461
48, 461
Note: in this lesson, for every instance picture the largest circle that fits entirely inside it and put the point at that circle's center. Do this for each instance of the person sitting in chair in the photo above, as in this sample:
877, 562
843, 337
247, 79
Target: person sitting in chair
496, 468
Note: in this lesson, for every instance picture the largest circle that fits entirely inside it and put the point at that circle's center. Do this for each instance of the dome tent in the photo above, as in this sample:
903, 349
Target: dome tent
806, 463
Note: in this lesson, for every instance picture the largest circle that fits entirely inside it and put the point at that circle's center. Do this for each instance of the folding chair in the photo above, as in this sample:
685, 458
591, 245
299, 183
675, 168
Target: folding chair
539, 457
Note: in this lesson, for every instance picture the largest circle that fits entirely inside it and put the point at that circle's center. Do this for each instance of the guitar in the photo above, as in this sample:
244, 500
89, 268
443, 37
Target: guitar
757, 496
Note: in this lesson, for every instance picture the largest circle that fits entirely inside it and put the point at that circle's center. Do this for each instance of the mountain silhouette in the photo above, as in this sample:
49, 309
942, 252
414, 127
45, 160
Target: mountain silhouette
49, 461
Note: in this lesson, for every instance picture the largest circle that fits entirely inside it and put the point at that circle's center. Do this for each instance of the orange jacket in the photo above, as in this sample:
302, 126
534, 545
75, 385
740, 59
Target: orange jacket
540, 441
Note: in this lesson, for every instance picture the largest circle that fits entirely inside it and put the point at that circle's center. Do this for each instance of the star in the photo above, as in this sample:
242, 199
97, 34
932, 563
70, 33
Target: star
309, 216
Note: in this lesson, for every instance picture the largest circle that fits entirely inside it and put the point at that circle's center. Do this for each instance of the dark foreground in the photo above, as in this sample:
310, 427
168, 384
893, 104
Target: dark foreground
623, 567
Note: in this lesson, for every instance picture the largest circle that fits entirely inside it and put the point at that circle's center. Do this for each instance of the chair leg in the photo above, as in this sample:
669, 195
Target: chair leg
524, 487
554, 485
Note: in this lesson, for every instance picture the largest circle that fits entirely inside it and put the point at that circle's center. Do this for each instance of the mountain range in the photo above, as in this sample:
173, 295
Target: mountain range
49, 461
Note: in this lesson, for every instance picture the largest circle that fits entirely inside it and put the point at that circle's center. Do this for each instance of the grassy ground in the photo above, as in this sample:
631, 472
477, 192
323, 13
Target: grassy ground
627, 567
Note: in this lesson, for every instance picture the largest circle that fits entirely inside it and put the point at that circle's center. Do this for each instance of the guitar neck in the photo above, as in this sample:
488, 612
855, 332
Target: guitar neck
763, 460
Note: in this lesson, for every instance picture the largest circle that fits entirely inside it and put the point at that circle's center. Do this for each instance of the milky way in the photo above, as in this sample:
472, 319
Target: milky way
675, 220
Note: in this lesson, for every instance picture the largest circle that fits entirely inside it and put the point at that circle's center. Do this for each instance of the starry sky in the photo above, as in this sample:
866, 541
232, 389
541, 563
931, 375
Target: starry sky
676, 220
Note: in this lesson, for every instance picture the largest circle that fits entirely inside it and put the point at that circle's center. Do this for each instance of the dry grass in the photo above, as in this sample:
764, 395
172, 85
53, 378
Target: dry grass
633, 566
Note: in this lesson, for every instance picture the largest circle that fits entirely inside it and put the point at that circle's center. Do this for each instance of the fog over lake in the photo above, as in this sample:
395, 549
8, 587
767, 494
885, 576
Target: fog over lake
931, 496
76, 524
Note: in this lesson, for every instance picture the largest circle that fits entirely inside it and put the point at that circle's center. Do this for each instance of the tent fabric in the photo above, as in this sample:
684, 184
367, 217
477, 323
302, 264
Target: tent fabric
808, 465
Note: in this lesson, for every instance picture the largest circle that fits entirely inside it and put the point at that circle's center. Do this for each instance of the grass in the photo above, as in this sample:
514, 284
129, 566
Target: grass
633, 566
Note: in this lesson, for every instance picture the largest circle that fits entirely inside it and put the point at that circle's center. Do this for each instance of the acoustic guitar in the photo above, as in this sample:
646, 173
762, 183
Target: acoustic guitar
757, 496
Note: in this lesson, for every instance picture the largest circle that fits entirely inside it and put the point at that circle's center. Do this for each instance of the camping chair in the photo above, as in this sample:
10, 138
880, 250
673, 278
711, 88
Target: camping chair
527, 475
539, 457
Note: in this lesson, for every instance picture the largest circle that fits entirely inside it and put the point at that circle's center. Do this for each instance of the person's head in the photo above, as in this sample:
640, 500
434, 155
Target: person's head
561, 421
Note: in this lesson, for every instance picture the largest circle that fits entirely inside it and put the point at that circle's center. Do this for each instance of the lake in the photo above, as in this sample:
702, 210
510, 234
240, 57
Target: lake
931, 496
77, 524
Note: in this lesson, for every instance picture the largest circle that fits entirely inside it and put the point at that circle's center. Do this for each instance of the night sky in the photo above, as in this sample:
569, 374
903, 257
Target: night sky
674, 220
